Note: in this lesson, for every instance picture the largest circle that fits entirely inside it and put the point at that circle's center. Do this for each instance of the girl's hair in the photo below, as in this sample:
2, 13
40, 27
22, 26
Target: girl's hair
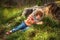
27, 12
54, 10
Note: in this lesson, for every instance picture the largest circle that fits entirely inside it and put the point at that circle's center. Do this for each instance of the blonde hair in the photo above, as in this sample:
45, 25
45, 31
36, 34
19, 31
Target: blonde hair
54, 10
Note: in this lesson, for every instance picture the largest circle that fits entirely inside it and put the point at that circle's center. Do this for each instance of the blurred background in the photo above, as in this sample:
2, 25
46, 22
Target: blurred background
10, 16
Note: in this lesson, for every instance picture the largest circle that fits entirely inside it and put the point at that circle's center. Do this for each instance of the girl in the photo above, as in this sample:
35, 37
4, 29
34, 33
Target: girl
34, 18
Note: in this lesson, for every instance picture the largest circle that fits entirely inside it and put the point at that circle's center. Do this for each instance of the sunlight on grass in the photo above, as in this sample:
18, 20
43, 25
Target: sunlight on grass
50, 30
9, 13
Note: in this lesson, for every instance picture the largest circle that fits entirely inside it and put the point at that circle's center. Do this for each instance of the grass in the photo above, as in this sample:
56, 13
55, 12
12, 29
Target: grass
50, 30
47, 31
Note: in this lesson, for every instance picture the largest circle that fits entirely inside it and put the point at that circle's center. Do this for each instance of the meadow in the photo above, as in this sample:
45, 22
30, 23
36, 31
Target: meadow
11, 17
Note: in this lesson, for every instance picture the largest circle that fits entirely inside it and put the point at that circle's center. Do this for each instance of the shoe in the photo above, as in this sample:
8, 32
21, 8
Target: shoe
8, 33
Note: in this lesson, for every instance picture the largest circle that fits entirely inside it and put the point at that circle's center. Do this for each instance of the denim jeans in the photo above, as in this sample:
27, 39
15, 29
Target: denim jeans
21, 26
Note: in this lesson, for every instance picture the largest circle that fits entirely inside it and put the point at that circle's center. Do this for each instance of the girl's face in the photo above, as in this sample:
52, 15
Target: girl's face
38, 16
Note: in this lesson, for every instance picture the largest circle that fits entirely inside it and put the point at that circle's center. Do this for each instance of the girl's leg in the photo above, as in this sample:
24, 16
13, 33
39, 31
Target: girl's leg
23, 30
22, 27
19, 27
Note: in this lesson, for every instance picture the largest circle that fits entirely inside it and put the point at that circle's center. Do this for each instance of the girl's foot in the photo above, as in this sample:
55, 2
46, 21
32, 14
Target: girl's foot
8, 33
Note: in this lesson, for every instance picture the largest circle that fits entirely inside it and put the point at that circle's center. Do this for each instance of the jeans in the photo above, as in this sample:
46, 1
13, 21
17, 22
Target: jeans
21, 26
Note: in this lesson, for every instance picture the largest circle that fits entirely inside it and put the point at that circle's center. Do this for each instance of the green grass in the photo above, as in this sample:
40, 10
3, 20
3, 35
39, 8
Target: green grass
9, 13
50, 30
47, 31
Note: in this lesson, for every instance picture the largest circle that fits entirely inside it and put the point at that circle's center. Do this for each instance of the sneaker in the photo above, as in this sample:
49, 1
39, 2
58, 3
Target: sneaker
8, 33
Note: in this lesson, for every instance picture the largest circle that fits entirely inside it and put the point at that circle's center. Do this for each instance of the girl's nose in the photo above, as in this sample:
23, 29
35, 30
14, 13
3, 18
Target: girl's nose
38, 17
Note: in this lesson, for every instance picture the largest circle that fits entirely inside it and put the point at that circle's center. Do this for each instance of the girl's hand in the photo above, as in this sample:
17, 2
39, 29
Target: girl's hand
41, 22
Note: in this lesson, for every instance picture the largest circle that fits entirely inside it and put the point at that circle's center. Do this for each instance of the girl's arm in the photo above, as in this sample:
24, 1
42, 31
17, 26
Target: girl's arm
41, 22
